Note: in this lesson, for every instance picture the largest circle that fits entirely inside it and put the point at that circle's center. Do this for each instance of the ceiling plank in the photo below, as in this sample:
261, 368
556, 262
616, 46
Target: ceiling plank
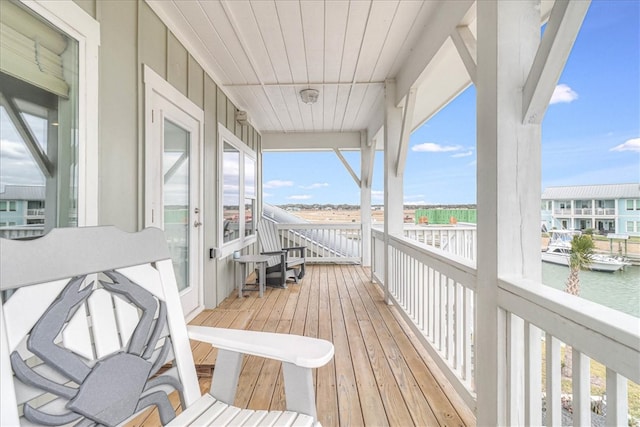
313, 28
408, 15
289, 16
379, 23
334, 36
356, 25
242, 18
271, 32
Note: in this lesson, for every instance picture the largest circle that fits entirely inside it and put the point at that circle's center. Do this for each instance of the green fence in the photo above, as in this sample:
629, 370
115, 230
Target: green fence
444, 216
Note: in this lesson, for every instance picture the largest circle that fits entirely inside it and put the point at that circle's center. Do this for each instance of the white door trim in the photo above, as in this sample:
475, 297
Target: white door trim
157, 86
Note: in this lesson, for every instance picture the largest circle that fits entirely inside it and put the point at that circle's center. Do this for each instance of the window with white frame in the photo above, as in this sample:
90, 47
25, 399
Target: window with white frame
48, 110
633, 205
237, 209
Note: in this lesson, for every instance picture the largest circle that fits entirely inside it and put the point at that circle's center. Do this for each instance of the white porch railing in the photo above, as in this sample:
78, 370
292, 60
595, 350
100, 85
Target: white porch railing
457, 240
325, 242
435, 292
21, 231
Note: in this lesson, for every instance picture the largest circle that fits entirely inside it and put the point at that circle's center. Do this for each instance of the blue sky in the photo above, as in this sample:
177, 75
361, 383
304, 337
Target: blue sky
590, 134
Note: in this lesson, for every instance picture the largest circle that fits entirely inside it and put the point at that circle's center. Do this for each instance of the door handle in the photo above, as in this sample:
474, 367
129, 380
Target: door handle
197, 223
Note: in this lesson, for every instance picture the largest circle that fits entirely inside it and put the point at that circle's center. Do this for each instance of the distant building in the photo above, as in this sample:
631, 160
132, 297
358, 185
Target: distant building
22, 205
613, 208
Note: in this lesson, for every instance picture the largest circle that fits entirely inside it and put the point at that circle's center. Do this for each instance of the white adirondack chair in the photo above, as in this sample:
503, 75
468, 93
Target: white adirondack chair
89, 315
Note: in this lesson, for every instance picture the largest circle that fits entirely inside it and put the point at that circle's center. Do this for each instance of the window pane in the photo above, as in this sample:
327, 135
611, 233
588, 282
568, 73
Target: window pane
249, 177
231, 193
39, 131
175, 170
249, 213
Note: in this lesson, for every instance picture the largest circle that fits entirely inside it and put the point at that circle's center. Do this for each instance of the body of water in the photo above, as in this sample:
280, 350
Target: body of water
619, 290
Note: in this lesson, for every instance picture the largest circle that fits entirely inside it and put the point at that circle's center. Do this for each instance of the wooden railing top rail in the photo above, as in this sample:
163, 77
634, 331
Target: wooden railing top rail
604, 334
319, 225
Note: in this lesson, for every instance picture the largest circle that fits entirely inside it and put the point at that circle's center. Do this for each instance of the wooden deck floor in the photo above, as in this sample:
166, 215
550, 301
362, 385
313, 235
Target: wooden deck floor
380, 374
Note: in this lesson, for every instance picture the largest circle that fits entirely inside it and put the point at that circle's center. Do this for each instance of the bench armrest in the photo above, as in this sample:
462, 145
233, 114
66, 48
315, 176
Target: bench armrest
298, 354
304, 352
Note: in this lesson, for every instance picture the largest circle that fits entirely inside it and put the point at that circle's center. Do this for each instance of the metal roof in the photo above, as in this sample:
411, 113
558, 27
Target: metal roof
606, 191
23, 192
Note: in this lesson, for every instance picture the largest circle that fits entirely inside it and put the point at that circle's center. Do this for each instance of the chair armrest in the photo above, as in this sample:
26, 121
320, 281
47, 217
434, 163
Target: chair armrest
301, 351
295, 248
280, 252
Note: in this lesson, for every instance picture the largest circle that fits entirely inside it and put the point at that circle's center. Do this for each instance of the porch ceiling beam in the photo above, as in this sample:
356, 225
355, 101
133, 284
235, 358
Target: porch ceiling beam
405, 130
348, 167
40, 157
467, 47
310, 141
295, 84
448, 15
561, 32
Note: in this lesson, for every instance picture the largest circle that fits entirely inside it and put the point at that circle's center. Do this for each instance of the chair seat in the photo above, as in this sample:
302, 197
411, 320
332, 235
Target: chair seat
207, 411
294, 261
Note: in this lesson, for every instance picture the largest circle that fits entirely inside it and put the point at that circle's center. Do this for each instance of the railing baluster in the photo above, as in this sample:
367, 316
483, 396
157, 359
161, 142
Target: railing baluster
450, 324
468, 325
553, 403
533, 375
459, 330
617, 406
437, 304
581, 388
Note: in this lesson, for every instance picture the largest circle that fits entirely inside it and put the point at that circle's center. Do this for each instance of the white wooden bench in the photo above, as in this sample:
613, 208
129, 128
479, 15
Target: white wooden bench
89, 315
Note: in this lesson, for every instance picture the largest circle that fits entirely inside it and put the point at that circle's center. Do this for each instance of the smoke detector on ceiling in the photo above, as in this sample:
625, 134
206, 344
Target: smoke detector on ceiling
309, 96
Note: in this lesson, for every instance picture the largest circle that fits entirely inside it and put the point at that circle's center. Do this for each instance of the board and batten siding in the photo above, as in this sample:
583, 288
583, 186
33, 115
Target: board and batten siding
132, 35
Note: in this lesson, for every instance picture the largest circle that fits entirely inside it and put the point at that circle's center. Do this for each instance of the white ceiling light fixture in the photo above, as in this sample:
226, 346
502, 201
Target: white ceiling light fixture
309, 96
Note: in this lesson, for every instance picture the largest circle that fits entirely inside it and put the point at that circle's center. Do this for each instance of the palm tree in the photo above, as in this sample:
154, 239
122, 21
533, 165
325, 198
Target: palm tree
581, 252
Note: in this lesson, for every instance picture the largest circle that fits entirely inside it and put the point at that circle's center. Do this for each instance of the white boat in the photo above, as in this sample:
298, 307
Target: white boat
559, 250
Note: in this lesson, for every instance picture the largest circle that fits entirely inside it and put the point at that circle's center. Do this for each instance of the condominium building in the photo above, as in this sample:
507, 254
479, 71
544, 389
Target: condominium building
610, 208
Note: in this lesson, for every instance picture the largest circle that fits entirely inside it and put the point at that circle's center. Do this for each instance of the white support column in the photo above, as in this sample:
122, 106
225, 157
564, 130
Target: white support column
509, 159
367, 153
393, 183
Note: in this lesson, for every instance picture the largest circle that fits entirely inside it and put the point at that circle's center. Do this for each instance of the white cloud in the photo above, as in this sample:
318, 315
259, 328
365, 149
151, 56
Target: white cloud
632, 144
563, 93
267, 195
377, 194
432, 147
465, 154
300, 197
414, 202
314, 186
276, 183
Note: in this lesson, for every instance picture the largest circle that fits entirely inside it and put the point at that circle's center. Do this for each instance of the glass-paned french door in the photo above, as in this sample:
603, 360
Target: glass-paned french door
173, 197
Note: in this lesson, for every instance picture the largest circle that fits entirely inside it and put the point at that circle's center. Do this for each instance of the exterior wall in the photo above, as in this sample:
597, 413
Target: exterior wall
132, 35
627, 216
596, 214
17, 217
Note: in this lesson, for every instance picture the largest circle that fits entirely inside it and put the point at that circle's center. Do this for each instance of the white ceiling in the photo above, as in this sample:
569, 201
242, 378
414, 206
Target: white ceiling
263, 52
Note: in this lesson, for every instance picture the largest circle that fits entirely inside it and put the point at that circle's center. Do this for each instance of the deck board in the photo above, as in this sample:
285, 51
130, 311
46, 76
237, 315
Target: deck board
380, 374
